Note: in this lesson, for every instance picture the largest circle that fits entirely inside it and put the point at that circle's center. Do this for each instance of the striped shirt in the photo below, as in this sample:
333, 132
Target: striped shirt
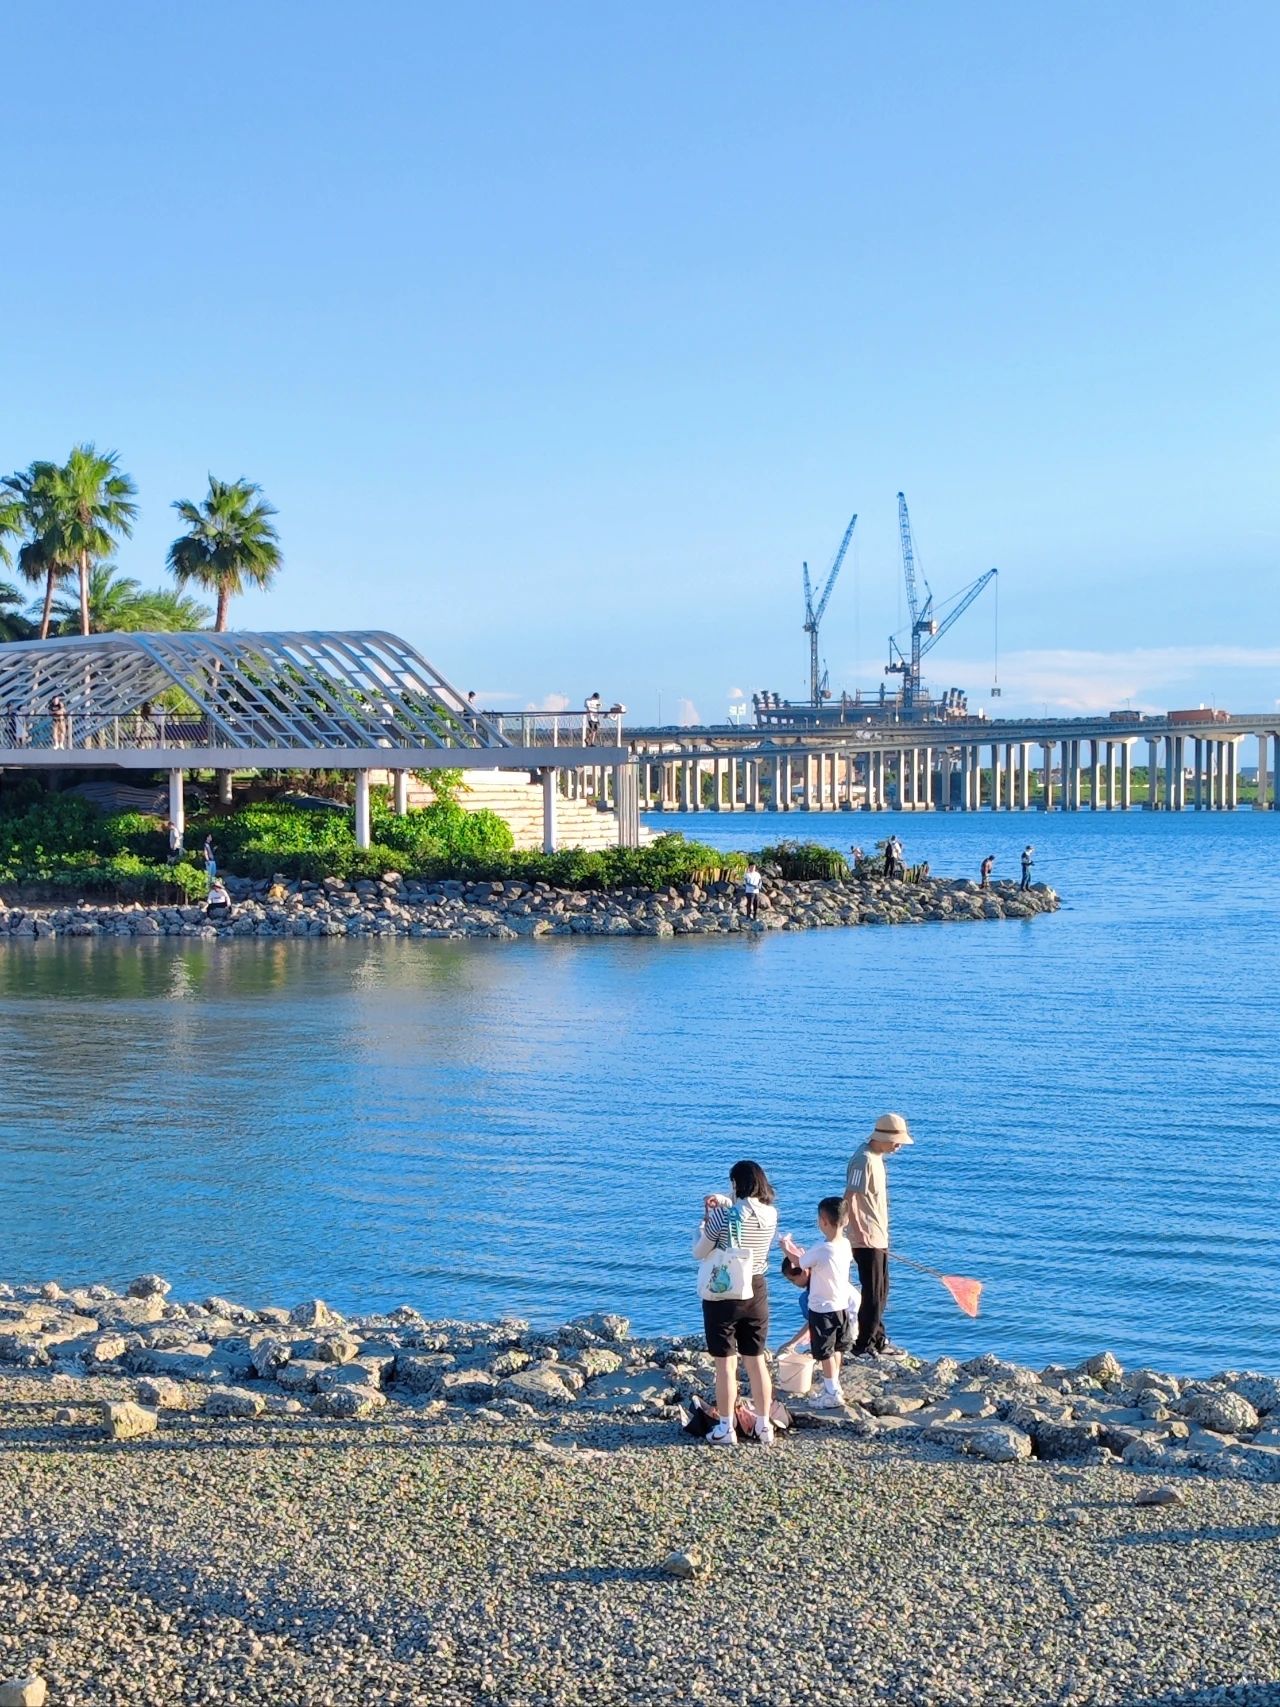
759, 1224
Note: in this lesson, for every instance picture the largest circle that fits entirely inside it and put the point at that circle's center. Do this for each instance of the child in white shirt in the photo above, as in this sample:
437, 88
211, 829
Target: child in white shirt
830, 1293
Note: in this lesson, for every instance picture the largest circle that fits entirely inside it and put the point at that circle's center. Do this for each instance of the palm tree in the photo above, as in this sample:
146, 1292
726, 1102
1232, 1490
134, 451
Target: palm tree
229, 545
13, 624
31, 498
164, 610
11, 522
93, 505
120, 605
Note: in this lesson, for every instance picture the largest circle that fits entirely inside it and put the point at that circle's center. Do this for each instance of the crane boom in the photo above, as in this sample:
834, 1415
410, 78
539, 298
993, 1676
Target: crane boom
909, 564
835, 567
963, 601
813, 618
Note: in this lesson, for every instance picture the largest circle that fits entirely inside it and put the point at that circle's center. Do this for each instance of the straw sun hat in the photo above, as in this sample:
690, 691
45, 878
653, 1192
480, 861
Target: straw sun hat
892, 1129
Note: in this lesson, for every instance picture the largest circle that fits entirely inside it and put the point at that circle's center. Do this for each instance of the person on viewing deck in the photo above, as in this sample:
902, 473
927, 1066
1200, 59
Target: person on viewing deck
739, 1327
827, 1264
593, 706
866, 1211
751, 883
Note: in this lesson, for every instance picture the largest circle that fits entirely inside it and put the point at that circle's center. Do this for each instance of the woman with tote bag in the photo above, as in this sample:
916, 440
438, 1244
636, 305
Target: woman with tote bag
732, 1247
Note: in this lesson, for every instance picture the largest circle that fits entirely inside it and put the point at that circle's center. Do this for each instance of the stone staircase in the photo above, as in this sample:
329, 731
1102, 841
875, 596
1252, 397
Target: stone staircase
518, 802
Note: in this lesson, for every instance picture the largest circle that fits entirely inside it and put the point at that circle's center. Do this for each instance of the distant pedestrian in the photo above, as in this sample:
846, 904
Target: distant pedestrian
472, 711
175, 843
593, 706
751, 884
988, 865
218, 906
210, 859
866, 1209
1028, 860
58, 720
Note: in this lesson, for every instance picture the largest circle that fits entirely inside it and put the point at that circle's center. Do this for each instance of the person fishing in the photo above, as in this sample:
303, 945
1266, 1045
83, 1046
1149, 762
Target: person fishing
1028, 860
866, 1213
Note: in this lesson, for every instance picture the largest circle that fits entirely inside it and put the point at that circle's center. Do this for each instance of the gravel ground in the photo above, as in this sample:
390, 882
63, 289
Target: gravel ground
305, 1562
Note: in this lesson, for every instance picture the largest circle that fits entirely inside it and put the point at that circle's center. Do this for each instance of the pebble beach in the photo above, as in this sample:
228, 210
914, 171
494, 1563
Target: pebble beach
210, 1502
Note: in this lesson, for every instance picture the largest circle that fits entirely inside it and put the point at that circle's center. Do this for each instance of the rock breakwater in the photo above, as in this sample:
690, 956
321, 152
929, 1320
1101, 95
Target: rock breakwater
398, 907
125, 1365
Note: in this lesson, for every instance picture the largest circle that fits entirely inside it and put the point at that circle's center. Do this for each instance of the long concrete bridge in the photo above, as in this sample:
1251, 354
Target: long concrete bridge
1192, 761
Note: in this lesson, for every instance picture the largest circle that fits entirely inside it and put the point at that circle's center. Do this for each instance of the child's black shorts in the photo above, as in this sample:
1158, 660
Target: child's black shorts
830, 1331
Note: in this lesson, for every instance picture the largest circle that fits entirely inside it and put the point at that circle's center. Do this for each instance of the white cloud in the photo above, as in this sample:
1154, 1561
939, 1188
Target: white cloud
1155, 678
688, 713
551, 702
736, 693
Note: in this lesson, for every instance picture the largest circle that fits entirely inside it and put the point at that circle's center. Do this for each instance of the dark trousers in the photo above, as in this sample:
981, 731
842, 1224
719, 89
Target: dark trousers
753, 906
873, 1278
1026, 877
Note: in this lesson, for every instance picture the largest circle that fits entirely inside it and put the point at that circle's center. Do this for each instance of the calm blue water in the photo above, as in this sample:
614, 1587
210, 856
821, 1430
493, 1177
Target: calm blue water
530, 1127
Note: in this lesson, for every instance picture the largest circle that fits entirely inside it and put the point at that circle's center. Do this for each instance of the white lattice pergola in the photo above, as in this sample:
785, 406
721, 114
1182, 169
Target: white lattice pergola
288, 701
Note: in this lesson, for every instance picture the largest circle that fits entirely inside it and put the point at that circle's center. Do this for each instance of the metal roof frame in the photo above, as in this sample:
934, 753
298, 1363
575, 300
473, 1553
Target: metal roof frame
289, 699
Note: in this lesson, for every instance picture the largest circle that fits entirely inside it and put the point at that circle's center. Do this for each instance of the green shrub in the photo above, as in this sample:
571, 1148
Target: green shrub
134, 832
64, 840
804, 862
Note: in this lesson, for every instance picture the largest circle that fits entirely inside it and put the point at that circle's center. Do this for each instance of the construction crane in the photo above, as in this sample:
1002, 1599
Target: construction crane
926, 628
818, 689
921, 617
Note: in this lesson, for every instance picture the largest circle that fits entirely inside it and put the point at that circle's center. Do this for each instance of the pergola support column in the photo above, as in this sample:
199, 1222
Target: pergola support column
363, 837
177, 812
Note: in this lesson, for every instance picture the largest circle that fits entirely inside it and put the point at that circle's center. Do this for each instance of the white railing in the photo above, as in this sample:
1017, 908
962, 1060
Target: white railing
560, 728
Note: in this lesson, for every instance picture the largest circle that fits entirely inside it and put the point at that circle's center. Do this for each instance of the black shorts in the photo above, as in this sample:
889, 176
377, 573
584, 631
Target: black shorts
738, 1326
830, 1331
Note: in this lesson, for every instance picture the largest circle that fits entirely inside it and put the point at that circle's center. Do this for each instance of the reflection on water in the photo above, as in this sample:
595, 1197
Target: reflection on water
478, 1127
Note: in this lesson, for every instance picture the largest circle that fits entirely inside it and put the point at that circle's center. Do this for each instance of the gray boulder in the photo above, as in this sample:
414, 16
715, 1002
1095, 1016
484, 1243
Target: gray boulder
1223, 1412
126, 1421
233, 1402
540, 1386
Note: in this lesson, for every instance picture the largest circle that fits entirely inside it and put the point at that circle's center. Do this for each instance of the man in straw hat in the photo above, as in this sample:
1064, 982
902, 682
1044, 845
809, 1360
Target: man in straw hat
866, 1208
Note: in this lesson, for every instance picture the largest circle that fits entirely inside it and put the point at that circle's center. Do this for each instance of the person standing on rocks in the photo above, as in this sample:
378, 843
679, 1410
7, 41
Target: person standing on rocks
1028, 860
210, 858
751, 884
866, 1212
988, 866
739, 1327
829, 1295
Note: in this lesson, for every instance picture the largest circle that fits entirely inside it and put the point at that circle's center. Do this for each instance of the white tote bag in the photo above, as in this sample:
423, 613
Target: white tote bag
726, 1274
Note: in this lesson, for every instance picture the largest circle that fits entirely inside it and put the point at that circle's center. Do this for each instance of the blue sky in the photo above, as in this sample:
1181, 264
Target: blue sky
560, 335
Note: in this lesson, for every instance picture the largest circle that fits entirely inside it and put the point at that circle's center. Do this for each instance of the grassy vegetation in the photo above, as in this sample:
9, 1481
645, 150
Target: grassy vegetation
62, 842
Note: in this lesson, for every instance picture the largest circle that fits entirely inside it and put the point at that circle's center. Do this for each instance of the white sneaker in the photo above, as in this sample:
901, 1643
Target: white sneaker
825, 1400
764, 1431
722, 1434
